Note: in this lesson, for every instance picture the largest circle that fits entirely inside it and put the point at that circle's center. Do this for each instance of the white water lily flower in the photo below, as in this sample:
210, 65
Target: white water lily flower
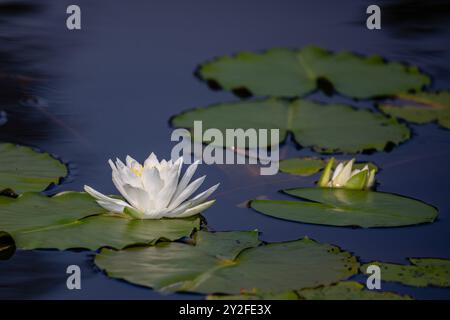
154, 190
344, 177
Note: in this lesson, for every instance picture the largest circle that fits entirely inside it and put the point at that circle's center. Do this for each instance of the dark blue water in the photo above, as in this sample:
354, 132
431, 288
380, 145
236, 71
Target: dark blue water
109, 90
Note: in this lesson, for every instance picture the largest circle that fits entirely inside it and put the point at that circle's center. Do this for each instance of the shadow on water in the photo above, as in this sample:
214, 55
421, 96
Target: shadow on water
7, 246
415, 18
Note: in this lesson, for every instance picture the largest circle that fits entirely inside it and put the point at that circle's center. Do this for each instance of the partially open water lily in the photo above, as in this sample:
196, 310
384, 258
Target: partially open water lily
154, 190
344, 177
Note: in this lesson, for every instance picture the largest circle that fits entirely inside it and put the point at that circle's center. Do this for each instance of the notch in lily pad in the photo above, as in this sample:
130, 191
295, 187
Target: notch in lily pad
282, 72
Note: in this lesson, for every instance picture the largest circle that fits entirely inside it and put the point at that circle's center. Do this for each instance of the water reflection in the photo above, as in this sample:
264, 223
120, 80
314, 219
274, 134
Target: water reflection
415, 18
23, 117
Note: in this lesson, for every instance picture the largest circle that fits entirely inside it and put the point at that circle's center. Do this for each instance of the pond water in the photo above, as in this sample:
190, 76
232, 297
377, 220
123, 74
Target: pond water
110, 89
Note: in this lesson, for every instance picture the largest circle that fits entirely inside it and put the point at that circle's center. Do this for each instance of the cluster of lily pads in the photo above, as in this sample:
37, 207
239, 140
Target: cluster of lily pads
181, 255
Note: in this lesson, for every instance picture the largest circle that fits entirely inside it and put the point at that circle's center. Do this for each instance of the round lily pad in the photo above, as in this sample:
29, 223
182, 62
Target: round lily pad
325, 128
74, 220
308, 166
23, 169
421, 272
229, 262
289, 73
342, 207
421, 108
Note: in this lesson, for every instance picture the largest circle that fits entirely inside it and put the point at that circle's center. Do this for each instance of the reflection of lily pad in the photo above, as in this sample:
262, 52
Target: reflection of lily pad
421, 272
308, 166
422, 107
22, 169
344, 290
326, 128
289, 73
74, 220
341, 207
7, 246
229, 262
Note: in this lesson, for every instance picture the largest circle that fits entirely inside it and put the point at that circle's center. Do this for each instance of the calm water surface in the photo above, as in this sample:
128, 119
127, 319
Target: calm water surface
109, 90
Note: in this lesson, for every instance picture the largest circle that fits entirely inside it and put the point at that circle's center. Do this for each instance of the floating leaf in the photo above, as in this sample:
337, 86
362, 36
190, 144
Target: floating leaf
308, 166
74, 220
422, 107
325, 128
290, 73
421, 272
22, 169
229, 262
342, 207
7, 246
344, 290
348, 290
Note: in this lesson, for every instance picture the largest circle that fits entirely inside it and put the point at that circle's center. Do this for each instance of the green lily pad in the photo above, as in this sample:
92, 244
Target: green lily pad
348, 290
7, 246
289, 73
229, 262
23, 169
421, 272
325, 128
344, 290
308, 166
422, 107
74, 220
342, 207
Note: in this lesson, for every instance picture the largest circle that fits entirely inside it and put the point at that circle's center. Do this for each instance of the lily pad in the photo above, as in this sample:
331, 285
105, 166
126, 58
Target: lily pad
344, 290
289, 73
23, 169
325, 128
421, 108
308, 166
421, 272
74, 220
229, 262
7, 246
342, 207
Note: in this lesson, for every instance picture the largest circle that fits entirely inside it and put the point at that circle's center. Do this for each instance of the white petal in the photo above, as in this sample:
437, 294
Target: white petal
138, 198
117, 203
152, 181
344, 175
196, 210
201, 197
186, 193
337, 171
170, 186
186, 178
151, 161
155, 214
112, 207
131, 162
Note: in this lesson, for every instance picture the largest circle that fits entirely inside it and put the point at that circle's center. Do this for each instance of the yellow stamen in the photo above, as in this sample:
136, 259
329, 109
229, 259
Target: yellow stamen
137, 170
